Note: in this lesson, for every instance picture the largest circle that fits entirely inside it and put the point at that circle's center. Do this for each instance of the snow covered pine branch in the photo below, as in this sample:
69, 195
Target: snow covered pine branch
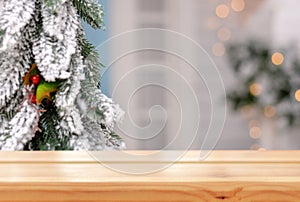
50, 76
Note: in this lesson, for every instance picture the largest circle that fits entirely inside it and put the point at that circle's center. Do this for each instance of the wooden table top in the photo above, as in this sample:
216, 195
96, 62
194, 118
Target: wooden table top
79, 176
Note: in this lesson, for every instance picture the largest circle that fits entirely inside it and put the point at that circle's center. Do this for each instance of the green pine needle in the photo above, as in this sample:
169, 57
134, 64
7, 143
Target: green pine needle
49, 138
91, 12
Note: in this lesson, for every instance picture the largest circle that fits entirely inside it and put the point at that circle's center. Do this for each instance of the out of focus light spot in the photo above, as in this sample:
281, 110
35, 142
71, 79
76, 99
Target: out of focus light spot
255, 89
255, 132
238, 5
224, 34
218, 49
254, 123
277, 58
255, 147
222, 11
246, 110
213, 23
269, 111
297, 95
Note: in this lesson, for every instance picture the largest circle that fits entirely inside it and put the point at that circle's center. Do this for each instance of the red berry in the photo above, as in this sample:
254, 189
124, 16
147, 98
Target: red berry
33, 99
35, 79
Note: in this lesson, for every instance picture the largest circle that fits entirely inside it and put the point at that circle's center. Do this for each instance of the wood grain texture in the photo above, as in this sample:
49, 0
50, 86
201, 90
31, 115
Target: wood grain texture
222, 176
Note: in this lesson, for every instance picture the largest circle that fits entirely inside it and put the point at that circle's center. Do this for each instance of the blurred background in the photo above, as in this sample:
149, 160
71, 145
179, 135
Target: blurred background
254, 45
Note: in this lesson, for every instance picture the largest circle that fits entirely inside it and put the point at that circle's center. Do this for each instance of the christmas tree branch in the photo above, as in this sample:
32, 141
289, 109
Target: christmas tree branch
15, 16
57, 43
21, 128
90, 11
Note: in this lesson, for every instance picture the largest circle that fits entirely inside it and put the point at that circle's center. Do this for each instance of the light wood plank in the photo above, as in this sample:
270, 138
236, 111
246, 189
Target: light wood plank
190, 156
175, 173
126, 192
223, 176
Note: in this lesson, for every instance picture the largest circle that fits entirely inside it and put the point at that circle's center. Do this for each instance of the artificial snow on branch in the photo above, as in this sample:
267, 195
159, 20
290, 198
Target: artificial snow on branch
13, 65
90, 11
66, 97
21, 128
57, 42
15, 16
54, 4
3, 125
50, 78
90, 59
96, 137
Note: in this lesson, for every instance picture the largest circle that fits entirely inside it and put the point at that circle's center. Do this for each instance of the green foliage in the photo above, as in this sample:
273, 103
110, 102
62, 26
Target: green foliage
93, 97
53, 4
1, 35
252, 63
49, 138
38, 20
87, 48
91, 59
239, 100
90, 11
49, 33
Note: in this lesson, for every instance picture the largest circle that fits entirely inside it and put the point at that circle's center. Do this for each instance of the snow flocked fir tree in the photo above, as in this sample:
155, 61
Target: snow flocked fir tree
50, 78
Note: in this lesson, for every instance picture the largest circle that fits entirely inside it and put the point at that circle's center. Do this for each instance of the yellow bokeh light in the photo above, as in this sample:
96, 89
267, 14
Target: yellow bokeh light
218, 49
238, 5
224, 34
297, 95
255, 89
255, 132
269, 111
277, 58
222, 11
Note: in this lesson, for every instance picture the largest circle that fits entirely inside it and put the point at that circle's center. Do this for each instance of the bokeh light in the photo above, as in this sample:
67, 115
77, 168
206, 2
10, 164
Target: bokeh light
277, 58
238, 5
218, 49
297, 95
255, 132
213, 23
224, 34
222, 11
254, 123
255, 147
269, 111
255, 89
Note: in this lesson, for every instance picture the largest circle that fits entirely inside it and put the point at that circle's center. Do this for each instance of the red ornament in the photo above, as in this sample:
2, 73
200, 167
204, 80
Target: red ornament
35, 79
33, 99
